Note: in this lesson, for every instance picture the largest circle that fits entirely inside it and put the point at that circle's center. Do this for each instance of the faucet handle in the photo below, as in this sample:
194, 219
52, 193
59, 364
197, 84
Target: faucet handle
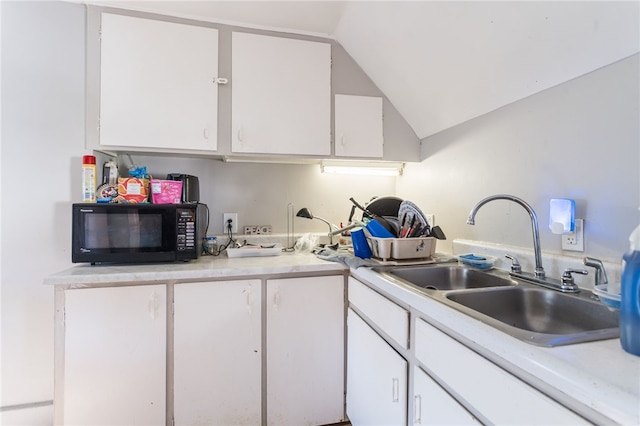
601, 274
515, 265
567, 278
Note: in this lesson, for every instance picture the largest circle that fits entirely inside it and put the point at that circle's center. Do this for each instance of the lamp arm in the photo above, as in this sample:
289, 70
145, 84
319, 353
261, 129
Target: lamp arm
331, 225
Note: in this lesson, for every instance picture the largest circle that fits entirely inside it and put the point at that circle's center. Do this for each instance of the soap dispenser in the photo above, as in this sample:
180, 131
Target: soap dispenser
630, 296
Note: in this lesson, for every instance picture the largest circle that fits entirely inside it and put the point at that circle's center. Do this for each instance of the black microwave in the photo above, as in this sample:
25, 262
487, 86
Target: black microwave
137, 233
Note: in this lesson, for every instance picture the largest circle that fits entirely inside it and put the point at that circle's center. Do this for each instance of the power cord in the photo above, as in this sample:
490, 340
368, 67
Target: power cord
230, 241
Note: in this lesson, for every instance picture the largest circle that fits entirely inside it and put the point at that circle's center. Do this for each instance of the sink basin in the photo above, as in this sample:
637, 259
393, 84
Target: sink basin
539, 316
448, 277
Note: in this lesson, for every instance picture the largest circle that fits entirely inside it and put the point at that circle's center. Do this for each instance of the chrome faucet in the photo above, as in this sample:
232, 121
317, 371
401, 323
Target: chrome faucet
539, 277
534, 225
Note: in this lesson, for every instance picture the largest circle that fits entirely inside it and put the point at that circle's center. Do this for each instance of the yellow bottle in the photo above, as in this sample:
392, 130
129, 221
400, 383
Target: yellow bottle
89, 179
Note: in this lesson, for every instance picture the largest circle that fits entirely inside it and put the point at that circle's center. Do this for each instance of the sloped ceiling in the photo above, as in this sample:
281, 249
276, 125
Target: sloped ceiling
442, 63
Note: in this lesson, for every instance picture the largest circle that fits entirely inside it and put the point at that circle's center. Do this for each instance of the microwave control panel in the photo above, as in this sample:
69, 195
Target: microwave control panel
186, 232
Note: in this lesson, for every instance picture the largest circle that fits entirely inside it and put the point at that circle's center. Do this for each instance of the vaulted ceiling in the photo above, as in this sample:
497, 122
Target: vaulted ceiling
445, 62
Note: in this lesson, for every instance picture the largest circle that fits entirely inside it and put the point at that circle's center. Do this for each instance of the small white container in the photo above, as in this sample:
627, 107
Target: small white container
255, 251
402, 248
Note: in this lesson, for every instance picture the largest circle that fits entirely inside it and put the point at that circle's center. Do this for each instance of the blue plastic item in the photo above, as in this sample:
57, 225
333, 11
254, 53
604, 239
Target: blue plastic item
376, 229
472, 257
630, 297
360, 245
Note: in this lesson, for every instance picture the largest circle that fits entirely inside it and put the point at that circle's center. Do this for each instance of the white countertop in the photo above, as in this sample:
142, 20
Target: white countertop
590, 378
206, 267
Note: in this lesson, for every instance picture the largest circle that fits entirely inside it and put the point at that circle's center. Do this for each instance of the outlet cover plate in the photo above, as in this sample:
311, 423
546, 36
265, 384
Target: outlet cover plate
431, 218
234, 222
574, 241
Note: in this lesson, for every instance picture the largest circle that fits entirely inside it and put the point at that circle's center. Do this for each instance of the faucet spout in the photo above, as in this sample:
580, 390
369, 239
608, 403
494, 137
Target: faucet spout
539, 273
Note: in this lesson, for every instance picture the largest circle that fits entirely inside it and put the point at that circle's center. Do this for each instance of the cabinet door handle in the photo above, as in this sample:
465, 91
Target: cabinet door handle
343, 141
154, 305
417, 409
249, 299
240, 134
276, 299
205, 133
395, 384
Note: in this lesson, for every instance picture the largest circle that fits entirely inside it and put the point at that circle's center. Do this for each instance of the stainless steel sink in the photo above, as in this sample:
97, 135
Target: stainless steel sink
523, 310
448, 277
540, 316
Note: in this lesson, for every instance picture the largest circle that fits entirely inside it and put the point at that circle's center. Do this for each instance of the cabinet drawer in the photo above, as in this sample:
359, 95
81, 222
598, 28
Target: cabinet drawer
389, 317
499, 396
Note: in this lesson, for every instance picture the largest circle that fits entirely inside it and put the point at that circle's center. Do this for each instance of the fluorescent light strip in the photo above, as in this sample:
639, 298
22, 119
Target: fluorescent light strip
362, 168
368, 171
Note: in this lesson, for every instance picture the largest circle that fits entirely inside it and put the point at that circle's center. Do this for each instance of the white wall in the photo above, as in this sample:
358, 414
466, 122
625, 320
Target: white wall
579, 140
42, 140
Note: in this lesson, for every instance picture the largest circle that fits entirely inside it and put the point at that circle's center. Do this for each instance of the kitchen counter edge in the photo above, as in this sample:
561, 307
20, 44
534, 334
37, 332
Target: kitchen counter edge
204, 268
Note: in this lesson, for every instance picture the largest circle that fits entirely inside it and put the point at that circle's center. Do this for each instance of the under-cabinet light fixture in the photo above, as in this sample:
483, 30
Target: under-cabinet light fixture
268, 160
368, 168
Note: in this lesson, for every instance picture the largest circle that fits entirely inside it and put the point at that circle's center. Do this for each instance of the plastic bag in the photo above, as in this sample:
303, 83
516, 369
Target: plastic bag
306, 243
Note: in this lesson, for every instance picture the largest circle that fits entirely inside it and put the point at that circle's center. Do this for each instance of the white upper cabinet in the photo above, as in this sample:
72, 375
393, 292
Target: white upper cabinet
358, 126
157, 84
281, 95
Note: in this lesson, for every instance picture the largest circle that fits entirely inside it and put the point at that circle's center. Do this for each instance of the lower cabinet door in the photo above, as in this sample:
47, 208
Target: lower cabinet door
305, 351
432, 405
376, 377
217, 353
115, 363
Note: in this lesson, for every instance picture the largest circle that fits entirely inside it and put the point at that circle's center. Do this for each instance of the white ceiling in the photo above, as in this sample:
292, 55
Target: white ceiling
444, 62
315, 17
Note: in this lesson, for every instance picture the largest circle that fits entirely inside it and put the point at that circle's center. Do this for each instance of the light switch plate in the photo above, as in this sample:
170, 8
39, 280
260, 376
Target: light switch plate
574, 241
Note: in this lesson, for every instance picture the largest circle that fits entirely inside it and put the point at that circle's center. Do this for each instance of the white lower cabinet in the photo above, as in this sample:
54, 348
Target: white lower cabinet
305, 350
376, 377
217, 353
245, 352
432, 405
497, 395
451, 384
114, 356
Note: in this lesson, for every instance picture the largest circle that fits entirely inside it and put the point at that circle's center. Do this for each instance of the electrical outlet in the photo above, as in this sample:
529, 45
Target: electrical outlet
431, 218
574, 241
234, 222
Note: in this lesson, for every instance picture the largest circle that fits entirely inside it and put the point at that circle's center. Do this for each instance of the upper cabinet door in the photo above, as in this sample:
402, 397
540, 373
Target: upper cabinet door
157, 84
358, 126
281, 95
